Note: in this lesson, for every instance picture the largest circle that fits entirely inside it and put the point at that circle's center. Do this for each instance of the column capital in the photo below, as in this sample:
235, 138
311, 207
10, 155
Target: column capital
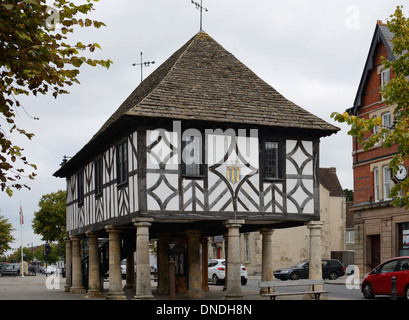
92, 234
67, 239
113, 229
266, 231
142, 222
314, 225
233, 223
75, 238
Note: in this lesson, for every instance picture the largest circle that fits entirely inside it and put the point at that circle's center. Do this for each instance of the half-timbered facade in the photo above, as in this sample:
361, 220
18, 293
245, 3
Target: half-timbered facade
202, 144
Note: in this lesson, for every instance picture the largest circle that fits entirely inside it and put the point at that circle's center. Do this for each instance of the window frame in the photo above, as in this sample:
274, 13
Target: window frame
201, 172
386, 125
246, 248
385, 79
122, 162
280, 159
80, 187
350, 236
387, 176
98, 176
376, 183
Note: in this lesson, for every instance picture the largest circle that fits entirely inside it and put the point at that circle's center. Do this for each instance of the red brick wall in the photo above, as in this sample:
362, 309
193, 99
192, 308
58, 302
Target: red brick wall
371, 101
363, 184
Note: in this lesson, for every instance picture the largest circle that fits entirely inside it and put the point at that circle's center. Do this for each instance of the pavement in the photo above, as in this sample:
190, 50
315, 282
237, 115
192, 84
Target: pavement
16, 293
41, 287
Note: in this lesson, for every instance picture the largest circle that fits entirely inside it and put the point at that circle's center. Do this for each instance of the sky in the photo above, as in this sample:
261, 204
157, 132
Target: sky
312, 52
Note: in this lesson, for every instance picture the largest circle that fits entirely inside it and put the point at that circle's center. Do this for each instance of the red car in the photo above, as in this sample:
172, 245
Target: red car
379, 280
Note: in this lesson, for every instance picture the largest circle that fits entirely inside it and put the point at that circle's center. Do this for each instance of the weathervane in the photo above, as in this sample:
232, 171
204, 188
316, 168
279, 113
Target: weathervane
201, 8
146, 64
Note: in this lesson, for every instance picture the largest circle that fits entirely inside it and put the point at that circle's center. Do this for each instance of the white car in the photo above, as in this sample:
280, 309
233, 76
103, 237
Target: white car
50, 270
217, 271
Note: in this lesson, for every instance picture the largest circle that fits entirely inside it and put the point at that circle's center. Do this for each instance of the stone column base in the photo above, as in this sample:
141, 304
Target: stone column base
116, 296
144, 297
77, 290
93, 293
233, 297
196, 294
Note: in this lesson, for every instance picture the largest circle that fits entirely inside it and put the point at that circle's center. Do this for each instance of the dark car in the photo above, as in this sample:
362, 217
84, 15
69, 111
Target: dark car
331, 269
32, 270
9, 270
379, 280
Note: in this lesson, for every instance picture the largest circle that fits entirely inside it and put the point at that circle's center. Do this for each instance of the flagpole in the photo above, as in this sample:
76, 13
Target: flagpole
21, 237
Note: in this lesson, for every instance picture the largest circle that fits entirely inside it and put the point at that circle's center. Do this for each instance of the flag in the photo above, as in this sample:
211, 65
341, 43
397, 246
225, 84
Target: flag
21, 215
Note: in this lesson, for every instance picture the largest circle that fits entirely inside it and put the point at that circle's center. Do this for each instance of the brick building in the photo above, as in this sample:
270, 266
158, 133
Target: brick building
380, 228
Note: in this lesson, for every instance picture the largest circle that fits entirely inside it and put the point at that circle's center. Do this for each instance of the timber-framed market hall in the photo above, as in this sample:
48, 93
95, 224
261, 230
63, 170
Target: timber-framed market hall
202, 147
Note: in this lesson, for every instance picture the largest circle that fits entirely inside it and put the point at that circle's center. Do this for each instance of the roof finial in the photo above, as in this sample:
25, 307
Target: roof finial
201, 8
146, 64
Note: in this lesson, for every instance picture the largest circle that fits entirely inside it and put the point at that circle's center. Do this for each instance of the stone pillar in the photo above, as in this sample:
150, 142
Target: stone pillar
94, 281
68, 264
195, 275
163, 267
77, 286
233, 282
315, 264
130, 272
226, 250
143, 272
205, 269
267, 271
115, 271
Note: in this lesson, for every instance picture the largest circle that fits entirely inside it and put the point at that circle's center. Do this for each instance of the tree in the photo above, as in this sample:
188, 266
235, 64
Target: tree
35, 58
49, 221
15, 257
395, 93
349, 194
6, 238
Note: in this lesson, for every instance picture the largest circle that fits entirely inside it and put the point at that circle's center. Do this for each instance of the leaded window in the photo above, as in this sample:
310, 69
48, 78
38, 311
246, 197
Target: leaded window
122, 162
271, 160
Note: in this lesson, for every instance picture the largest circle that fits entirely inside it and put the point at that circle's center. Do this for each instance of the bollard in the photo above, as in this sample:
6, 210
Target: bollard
394, 295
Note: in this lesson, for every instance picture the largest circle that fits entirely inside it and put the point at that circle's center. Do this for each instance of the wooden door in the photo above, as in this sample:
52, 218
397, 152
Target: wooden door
375, 250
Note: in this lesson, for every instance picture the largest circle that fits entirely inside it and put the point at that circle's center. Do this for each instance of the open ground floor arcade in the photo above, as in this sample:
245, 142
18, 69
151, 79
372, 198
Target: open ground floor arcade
182, 257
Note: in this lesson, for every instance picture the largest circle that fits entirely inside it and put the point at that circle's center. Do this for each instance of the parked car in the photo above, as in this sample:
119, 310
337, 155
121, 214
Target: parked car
331, 269
350, 269
379, 280
217, 271
9, 270
32, 270
123, 270
50, 270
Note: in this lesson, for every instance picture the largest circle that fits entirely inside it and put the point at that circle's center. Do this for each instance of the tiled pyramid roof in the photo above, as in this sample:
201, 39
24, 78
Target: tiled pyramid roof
203, 81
